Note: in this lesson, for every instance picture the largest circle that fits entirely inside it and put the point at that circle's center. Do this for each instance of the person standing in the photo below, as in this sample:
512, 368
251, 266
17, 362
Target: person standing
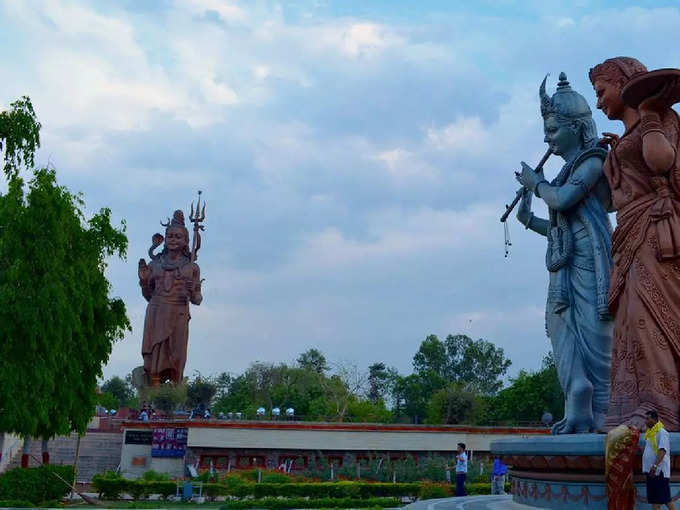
498, 477
656, 462
461, 470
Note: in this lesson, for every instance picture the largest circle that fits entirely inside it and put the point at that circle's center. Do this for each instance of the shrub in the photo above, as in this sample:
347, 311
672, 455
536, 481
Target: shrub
109, 485
275, 477
154, 476
235, 485
138, 489
36, 484
478, 488
331, 489
164, 488
20, 503
434, 491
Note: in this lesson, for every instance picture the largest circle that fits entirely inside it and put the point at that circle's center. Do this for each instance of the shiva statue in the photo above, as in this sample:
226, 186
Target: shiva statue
169, 283
578, 256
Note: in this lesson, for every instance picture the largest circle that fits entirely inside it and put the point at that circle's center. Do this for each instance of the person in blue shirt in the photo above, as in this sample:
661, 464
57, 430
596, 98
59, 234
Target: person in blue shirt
461, 469
498, 476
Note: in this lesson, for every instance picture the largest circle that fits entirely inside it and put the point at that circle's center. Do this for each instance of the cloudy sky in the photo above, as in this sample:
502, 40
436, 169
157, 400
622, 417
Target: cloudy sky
355, 156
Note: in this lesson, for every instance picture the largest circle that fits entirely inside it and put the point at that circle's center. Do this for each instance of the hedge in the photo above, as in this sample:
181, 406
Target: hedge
335, 489
19, 503
110, 487
36, 484
435, 490
481, 488
275, 503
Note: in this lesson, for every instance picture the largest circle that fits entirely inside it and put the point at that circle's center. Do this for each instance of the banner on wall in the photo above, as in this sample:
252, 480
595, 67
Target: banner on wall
169, 442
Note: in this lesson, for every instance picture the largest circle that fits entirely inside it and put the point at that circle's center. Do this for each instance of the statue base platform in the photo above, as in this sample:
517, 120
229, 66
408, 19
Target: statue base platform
566, 472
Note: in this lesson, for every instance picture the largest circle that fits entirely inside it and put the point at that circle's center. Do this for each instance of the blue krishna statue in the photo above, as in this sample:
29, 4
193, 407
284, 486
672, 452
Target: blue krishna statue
578, 256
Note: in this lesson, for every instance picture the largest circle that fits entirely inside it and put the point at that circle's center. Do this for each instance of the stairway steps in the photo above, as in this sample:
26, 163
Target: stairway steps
99, 452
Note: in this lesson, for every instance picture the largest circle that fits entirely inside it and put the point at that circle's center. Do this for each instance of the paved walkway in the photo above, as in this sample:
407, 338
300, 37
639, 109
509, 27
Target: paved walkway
468, 503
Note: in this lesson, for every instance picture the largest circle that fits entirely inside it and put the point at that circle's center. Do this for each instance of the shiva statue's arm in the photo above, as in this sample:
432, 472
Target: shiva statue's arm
582, 180
527, 218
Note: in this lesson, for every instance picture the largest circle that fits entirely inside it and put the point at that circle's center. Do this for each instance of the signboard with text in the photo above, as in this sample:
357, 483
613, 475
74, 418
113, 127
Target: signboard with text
138, 437
169, 442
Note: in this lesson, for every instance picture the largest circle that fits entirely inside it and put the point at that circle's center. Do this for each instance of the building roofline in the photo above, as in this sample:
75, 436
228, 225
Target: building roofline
330, 426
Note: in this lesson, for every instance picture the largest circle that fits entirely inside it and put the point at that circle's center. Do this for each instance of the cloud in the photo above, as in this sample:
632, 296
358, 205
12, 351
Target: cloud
355, 160
365, 39
465, 134
227, 10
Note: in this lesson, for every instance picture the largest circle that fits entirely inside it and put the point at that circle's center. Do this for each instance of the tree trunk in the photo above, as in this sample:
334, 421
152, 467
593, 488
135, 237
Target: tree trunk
45, 452
75, 465
25, 454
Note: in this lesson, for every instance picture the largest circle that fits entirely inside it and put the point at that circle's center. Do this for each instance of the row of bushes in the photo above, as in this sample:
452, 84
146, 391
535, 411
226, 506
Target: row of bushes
36, 485
276, 503
110, 487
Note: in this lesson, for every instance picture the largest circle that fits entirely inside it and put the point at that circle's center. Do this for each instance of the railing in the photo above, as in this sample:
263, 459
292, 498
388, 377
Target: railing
330, 420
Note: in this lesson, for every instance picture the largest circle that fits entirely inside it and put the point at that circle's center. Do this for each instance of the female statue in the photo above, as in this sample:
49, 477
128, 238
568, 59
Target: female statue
168, 283
578, 261
644, 296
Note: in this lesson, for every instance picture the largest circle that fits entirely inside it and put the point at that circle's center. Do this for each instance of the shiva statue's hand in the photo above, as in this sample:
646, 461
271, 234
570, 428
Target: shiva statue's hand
529, 178
143, 270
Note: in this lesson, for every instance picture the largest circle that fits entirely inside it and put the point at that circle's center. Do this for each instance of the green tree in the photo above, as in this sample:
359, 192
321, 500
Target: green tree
201, 390
120, 389
529, 395
365, 411
57, 320
378, 380
313, 360
168, 397
478, 365
451, 405
432, 357
270, 385
107, 400
410, 397
19, 136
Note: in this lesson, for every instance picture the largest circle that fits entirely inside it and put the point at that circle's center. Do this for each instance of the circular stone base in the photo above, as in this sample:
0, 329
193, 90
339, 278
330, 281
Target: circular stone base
567, 472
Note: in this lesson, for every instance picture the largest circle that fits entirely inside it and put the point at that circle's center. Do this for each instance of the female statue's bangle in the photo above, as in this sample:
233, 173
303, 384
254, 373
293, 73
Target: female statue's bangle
651, 124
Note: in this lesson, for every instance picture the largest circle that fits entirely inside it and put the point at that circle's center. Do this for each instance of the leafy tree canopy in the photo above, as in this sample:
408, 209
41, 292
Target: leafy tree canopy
313, 360
478, 365
120, 389
200, 391
529, 395
57, 320
19, 136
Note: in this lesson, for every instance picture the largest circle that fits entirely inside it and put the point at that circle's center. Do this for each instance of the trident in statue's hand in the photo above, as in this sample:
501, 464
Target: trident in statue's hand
197, 218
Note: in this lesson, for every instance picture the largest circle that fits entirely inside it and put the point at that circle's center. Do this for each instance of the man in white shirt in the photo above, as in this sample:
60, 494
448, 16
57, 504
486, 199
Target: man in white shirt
656, 462
461, 470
